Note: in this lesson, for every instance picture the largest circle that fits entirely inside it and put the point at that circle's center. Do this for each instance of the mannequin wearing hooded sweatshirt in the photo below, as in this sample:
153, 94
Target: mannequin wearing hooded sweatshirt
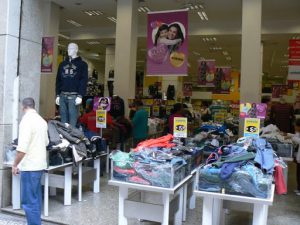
71, 85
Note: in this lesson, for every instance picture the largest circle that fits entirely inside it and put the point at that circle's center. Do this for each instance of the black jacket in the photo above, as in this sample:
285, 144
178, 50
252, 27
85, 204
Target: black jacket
72, 76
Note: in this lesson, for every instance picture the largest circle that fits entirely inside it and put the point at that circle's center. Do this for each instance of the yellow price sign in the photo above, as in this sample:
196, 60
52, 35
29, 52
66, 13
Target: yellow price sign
180, 127
101, 119
251, 127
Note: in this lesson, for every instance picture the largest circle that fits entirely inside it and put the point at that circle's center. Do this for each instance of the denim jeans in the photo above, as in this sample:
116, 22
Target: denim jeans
68, 109
31, 194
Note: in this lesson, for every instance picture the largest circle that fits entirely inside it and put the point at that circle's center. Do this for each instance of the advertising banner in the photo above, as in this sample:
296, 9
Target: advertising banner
187, 89
294, 59
253, 110
102, 103
101, 118
180, 127
222, 80
206, 73
167, 43
47, 54
252, 127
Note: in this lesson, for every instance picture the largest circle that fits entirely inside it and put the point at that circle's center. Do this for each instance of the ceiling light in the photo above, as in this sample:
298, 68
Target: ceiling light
112, 19
64, 36
93, 42
144, 9
93, 12
228, 58
74, 23
193, 6
225, 53
196, 53
205, 15
201, 16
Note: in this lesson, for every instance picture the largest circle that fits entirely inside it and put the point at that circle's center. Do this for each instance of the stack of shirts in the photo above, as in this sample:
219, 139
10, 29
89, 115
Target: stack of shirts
244, 168
156, 162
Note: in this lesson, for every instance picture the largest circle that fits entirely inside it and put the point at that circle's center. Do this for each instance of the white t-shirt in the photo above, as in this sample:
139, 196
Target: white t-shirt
33, 140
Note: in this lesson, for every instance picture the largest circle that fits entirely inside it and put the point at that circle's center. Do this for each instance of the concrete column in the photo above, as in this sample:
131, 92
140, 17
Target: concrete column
47, 92
126, 49
26, 58
251, 64
109, 65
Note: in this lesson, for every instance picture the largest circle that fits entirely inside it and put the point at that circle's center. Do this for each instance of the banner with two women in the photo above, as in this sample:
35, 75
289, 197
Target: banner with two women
167, 43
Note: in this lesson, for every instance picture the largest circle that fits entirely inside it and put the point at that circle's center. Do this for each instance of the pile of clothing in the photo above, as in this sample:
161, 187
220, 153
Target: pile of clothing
158, 162
69, 144
155, 125
283, 147
244, 168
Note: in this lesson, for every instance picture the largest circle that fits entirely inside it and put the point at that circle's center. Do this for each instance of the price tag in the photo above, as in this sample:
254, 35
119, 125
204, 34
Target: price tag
180, 127
251, 127
101, 118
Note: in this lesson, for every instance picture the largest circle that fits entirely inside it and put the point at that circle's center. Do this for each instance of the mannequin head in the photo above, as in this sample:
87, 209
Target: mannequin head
72, 50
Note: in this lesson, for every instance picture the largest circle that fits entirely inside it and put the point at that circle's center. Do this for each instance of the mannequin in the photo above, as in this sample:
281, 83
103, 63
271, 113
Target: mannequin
71, 85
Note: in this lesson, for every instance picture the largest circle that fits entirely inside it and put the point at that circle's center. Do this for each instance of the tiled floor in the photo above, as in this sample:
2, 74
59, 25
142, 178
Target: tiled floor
102, 209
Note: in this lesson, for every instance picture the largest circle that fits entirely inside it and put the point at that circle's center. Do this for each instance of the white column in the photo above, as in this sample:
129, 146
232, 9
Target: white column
251, 64
109, 65
126, 49
47, 92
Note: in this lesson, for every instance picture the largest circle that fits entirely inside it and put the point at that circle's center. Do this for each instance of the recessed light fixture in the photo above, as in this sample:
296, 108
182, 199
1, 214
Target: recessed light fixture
215, 48
93, 12
112, 19
203, 16
209, 39
144, 9
193, 6
225, 53
74, 23
196, 53
93, 42
228, 58
64, 36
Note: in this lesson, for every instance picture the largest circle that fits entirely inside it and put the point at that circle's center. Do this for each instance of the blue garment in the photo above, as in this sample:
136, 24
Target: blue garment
72, 76
68, 109
228, 168
31, 194
264, 154
140, 125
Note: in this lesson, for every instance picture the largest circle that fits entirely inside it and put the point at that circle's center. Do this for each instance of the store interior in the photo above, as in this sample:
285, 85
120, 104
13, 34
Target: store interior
215, 33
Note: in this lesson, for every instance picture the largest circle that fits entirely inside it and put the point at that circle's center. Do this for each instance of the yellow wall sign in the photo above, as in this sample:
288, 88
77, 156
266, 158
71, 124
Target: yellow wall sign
180, 127
251, 127
219, 117
101, 118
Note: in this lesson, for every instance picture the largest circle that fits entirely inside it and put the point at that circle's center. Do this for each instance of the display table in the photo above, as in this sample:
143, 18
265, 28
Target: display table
62, 181
213, 213
164, 201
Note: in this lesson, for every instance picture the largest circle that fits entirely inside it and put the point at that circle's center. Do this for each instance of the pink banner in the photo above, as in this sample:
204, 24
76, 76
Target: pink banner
206, 73
47, 55
167, 43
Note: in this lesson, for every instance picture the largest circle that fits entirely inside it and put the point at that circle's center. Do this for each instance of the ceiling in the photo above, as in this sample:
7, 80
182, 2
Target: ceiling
218, 11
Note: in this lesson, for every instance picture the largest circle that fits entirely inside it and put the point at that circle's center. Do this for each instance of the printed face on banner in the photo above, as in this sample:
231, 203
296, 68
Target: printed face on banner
167, 43
253, 110
206, 73
102, 103
47, 54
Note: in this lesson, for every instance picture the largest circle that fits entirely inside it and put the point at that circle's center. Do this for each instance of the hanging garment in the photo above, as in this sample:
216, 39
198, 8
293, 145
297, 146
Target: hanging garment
280, 185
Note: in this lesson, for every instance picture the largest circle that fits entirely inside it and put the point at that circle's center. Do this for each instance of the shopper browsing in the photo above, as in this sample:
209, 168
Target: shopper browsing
31, 160
296, 139
140, 124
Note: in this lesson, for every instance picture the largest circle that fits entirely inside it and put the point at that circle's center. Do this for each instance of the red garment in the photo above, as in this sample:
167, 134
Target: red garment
89, 120
171, 122
163, 142
280, 184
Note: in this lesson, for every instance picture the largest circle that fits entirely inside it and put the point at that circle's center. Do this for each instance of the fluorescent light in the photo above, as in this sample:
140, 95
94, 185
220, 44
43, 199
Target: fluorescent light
93, 42
225, 53
112, 19
64, 36
196, 53
74, 23
144, 9
215, 39
228, 58
193, 6
201, 16
204, 15
93, 12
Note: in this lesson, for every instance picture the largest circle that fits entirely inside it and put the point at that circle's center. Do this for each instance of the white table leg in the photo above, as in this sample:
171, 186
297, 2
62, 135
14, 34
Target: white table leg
193, 197
123, 195
179, 213
166, 202
68, 186
107, 160
16, 192
218, 211
260, 214
184, 202
207, 211
46, 194
80, 182
97, 166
